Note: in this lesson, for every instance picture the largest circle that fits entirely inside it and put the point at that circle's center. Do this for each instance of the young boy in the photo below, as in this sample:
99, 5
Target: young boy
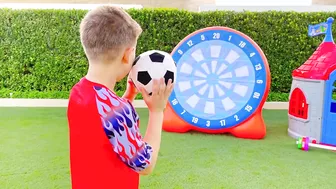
106, 147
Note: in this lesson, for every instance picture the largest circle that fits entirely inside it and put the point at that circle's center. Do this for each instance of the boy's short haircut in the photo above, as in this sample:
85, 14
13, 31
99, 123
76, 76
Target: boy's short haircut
106, 30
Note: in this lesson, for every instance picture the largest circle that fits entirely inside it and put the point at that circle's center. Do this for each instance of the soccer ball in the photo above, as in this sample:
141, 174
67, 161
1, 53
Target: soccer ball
151, 65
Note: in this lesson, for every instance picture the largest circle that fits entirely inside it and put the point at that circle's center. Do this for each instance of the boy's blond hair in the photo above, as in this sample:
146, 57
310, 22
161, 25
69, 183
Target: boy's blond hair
106, 30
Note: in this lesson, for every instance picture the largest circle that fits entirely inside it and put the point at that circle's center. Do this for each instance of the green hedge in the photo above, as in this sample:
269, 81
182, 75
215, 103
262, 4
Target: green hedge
6, 93
40, 50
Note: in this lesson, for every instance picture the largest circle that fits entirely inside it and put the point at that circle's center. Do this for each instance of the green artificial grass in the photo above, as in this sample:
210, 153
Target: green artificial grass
34, 155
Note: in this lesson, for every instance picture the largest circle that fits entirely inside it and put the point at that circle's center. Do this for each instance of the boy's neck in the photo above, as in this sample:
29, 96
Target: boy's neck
102, 73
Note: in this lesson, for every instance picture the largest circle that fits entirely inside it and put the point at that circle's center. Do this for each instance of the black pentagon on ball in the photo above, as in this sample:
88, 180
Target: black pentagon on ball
144, 77
136, 60
169, 75
157, 57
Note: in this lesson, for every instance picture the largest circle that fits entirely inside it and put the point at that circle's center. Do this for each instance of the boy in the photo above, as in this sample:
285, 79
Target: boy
106, 148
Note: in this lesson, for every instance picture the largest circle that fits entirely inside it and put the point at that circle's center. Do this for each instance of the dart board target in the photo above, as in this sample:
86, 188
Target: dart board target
222, 80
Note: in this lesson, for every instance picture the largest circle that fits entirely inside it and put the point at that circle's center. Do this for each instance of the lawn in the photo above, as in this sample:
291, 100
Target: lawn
34, 155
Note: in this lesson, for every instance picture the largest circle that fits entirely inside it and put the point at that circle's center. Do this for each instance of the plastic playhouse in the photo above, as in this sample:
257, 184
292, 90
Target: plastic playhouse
312, 103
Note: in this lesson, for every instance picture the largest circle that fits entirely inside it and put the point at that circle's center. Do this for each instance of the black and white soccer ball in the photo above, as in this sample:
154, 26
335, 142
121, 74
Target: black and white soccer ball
151, 65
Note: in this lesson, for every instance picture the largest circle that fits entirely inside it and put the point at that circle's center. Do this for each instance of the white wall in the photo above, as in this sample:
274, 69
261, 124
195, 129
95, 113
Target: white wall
62, 6
263, 2
314, 8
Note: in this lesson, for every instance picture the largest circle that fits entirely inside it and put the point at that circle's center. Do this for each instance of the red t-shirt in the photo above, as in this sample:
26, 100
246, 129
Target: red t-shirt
106, 148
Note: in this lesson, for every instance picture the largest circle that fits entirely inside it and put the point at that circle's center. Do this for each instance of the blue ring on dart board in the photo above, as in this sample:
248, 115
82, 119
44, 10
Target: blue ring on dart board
221, 78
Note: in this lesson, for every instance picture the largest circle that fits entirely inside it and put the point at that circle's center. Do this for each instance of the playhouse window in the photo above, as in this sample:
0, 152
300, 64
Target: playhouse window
298, 106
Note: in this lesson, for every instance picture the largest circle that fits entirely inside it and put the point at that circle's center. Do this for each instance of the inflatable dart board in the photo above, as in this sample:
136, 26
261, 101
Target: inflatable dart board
222, 83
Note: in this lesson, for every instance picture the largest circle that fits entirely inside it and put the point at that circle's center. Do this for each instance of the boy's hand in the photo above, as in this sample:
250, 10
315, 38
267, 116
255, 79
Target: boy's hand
131, 90
158, 100
130, 86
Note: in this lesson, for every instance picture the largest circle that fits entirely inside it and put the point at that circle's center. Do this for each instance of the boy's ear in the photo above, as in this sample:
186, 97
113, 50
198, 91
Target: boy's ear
127, 55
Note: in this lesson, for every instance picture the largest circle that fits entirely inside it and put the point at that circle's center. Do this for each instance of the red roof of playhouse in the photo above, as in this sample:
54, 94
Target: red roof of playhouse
323, 60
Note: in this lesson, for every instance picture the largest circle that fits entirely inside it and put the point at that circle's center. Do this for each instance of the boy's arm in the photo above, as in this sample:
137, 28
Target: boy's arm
140, 154
131, 91
124, 135
153, 137
153, 133
156, 105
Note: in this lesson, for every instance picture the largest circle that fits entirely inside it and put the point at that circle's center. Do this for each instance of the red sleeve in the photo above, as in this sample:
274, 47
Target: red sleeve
121, 125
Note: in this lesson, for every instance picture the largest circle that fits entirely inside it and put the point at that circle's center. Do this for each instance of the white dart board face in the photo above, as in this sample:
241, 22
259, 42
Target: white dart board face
221, 78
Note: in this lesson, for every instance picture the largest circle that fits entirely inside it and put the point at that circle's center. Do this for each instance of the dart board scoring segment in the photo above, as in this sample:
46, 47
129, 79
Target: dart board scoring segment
221, 78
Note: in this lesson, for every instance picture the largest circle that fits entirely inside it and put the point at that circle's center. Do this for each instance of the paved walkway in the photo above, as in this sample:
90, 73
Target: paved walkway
8, 102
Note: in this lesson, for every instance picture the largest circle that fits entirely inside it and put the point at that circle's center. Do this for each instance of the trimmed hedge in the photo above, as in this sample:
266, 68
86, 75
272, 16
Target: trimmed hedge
41, 53
6, 93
